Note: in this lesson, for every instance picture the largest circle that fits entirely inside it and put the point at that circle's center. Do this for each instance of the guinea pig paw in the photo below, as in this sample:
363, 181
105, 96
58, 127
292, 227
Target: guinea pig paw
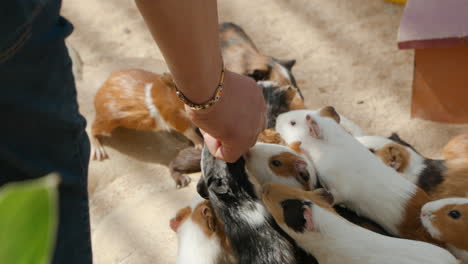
183, 181
98, 153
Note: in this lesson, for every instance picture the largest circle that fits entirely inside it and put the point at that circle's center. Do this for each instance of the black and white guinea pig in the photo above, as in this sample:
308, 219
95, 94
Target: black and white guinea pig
200, 235
277, 163
254, 235
447, 221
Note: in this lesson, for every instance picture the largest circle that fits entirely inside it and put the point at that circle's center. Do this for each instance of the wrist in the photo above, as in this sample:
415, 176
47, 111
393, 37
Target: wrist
200, 85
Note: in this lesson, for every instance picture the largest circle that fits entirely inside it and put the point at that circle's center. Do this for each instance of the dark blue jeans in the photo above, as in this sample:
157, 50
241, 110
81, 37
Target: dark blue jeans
41, 129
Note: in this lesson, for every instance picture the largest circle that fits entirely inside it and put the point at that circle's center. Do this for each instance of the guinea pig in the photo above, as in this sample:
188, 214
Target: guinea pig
356, 178
447, 220
438, 178
187, 161
270, 136
456, 148
254, 235
241, 56
277, 163
200, 235
310, 220
277, 99
141, 100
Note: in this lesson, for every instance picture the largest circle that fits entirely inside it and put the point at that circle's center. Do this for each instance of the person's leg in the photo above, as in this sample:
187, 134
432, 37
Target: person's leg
42, 131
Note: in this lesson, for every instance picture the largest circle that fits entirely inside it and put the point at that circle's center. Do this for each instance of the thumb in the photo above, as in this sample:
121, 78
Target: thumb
229, 153
213, 145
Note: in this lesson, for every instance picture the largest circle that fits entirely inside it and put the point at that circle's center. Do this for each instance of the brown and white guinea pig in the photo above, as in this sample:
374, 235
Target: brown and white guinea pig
241, 56
278, 100
141, 100
438, 178
447, 220
277, 163
200, 235
456, 148
281, 164
310, 220
355, 176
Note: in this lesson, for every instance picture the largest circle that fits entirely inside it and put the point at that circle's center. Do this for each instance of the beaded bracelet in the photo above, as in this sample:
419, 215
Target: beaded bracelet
215, 98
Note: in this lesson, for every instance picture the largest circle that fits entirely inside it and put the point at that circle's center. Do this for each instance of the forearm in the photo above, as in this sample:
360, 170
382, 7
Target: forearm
186, 32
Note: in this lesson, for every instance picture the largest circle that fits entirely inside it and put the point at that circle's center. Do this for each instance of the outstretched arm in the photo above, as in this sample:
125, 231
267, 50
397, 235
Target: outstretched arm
186, 32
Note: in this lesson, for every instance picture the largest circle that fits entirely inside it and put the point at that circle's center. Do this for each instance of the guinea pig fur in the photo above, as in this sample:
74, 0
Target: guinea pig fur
141, 100
276, 163
241, 56
253, 234
311, 221
447, 221
438, 178
456, 148
200, 235
356, 177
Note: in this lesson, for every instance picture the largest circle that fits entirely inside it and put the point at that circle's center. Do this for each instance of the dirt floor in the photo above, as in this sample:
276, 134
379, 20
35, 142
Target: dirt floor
346, 55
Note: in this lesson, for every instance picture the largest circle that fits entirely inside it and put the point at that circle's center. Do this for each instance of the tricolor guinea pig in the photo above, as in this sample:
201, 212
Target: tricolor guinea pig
447, 220
141, 100
277, 163
241, 56
439, 178
310, 220
200, 235
356, 177
456, 148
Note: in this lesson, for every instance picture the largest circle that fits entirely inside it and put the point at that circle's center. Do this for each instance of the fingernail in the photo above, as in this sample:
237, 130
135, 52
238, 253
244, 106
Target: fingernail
219, 153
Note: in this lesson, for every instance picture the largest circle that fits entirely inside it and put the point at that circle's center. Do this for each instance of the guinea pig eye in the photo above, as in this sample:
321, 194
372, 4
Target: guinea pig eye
259, 75
293, 123
454, 214
276, 163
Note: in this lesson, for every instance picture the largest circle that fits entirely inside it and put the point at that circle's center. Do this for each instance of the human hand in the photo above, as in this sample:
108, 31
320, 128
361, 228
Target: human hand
231, 126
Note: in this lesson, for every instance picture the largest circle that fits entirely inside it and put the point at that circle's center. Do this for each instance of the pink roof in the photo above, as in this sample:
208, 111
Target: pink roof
433, 23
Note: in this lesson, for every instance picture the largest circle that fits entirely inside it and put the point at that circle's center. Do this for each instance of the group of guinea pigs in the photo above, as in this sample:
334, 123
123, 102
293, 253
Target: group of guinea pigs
314, 189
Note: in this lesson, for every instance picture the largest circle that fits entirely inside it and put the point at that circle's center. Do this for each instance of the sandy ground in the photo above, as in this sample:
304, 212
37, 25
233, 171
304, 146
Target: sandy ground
347, 57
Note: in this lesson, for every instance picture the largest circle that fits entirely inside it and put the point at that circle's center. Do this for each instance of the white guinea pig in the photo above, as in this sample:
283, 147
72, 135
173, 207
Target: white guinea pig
447, 220
200, 235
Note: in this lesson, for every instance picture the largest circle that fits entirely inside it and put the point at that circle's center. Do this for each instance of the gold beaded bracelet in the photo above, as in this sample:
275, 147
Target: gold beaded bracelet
215, 98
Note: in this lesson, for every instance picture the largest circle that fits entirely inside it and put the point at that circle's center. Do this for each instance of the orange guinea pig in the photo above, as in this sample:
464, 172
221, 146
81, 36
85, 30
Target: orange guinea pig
456, 148
141, 100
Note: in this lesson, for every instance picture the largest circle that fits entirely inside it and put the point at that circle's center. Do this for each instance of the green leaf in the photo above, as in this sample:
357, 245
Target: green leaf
28, 221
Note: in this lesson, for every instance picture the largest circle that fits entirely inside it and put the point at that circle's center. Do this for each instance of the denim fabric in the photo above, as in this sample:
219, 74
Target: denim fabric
41, 129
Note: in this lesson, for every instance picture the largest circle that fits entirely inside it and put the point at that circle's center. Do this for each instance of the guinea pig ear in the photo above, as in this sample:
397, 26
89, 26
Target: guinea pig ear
329, 111
296, 146
210, 220
302, 174
290, 94
288, 64
325, 195
395, 137
309, 222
